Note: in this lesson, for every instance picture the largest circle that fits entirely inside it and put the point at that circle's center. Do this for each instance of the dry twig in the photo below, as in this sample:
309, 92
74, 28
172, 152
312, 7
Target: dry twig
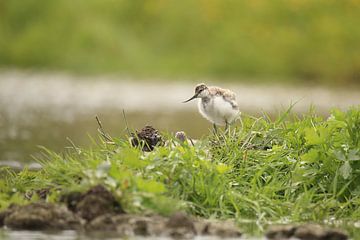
126, 123
107, 138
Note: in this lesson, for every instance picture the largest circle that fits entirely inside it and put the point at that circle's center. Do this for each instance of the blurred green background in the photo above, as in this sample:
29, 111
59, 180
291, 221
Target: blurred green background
305, 41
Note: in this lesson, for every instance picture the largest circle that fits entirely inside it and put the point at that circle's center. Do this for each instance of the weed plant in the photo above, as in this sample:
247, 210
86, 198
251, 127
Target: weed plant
289, 169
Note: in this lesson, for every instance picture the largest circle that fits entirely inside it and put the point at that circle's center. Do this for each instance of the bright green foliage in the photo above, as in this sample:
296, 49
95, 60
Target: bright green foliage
293, 168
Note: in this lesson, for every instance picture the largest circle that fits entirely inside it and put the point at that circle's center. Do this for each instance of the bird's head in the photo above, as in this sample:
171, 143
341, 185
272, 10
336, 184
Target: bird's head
201, 90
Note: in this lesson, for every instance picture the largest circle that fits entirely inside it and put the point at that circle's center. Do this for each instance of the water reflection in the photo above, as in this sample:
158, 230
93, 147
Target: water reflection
18, 142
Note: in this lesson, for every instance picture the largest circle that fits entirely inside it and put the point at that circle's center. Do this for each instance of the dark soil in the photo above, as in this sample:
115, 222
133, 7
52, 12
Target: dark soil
98, 211
4, 214
41, 216
308, 232
95, 202
178, 225
148, 138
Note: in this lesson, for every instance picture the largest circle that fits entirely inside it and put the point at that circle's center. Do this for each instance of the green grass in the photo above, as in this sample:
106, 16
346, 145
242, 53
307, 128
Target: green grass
289, 169
315, 41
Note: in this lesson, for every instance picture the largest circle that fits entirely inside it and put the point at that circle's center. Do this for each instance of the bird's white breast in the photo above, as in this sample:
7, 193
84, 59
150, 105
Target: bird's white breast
217, 110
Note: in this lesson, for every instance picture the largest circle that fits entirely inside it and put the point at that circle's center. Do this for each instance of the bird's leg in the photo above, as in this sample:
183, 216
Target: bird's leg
215, 128
241, 122
227, 126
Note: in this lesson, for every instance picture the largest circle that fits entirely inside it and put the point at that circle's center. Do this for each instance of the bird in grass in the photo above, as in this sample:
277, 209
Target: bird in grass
216, 104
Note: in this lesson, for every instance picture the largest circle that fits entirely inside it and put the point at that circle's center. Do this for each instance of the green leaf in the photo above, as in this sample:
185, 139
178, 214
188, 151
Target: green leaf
150, 186
119, 173
345, 170
311, 156
316, 136
131, 158
222, 168
338, 115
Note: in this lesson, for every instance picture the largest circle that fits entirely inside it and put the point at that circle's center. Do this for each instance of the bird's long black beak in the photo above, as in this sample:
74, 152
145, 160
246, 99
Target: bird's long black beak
193, 97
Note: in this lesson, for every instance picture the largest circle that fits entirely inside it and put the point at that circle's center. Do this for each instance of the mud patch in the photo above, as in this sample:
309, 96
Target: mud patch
98, 211
129, 225
308, 231
148, 138
95, 202
41, 216
56, 217
220, 229
178, 226
6, 213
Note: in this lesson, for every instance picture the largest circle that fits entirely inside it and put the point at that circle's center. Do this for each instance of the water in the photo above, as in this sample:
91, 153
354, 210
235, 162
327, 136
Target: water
38, 235
20, 141
47, 108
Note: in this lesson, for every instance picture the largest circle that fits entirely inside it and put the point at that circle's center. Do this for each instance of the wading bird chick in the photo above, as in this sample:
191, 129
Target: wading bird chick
216, 104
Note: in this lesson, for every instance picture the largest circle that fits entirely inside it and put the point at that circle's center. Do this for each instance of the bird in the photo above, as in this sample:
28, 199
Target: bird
216, 104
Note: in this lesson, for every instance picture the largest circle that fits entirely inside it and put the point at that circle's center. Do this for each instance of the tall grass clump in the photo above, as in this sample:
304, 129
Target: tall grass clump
307, 169
288, 169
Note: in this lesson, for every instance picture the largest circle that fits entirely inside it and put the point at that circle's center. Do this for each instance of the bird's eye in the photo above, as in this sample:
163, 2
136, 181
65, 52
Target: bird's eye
200, 88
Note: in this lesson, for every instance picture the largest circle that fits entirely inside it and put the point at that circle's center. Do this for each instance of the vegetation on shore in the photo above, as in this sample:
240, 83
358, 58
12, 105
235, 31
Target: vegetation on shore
269, 40
290, 169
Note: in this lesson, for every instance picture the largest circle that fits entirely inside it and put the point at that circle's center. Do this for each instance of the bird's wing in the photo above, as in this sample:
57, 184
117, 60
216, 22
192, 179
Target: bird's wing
233, 102
229, 95
231, 98
226, 94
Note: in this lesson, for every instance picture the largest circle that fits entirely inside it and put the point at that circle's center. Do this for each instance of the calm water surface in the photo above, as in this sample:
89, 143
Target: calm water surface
20, 141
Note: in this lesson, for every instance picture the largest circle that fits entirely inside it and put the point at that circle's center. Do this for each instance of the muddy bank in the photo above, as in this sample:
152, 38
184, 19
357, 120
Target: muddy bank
304, 232
98, 210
